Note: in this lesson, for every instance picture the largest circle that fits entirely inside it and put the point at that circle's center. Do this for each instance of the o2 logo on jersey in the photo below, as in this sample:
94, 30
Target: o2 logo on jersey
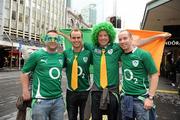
80, 72
54, 73
135, 63
128, 75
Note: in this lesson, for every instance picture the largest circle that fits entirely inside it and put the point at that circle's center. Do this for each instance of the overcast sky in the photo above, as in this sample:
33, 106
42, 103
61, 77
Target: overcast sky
130, 11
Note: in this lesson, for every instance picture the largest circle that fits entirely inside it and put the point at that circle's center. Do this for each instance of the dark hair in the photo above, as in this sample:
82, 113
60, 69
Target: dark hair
76, 30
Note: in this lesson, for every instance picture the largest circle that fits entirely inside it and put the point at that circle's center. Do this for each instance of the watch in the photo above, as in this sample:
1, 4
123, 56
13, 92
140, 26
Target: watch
150, 97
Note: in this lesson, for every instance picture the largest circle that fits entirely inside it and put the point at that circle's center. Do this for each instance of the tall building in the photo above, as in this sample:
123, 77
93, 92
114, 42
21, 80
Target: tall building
26, 20
92, 13
163, 15
23, 21
89, 14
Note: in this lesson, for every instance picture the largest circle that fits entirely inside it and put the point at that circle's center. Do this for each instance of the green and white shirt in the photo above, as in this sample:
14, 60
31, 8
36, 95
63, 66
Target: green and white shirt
136, 66
112, 53
47, 73
84, 59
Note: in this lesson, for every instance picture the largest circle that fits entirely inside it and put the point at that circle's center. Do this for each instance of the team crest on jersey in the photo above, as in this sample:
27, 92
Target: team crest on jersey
110, 51
60, 61
85, 59
135, 63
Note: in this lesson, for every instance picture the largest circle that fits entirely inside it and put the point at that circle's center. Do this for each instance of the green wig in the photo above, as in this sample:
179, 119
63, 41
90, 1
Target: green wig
104, 26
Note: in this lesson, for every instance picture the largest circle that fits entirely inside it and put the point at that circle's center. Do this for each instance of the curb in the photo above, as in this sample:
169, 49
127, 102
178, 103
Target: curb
168, 91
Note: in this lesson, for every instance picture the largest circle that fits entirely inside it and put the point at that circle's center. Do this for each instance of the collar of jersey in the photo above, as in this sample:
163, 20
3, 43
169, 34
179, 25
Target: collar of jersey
134, 49
81, 49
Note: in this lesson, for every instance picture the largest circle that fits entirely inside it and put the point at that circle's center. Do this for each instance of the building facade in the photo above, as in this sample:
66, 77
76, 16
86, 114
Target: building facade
23, 21
75, 20
27, 19
89, 14
163, 15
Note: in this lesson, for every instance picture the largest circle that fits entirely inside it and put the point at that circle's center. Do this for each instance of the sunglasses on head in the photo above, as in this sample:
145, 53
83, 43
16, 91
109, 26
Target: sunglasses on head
49, 38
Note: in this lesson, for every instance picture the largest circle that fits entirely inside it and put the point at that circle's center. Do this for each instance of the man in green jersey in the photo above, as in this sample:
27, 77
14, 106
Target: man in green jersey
76, 97
105, 96
140, 80
46, 65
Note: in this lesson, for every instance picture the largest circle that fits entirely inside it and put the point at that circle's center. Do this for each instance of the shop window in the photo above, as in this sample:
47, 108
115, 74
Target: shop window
14, 15
27, 20
21, 1
20, 17
42, 26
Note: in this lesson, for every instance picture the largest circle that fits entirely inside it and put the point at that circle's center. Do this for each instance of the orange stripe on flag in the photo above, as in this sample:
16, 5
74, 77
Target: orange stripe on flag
155, 47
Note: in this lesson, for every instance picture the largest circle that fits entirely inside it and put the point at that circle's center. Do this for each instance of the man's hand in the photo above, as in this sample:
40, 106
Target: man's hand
26, 95
148, 104
165, 35
64, 35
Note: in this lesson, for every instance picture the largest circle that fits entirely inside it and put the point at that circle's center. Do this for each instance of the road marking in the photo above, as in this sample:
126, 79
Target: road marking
168, 91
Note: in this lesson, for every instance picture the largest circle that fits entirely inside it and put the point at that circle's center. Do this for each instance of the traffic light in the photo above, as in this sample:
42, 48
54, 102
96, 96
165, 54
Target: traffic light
115, 21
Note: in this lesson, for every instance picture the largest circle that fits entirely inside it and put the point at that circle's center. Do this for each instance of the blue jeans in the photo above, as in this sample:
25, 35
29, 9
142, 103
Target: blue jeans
52, 109
138, 111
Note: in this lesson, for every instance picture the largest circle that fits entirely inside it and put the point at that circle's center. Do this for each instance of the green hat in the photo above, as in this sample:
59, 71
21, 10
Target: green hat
104, 26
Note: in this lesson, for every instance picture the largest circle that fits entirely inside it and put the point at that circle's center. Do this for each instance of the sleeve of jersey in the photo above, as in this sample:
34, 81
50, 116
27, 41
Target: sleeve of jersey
120, 50
149, 63
88, 46
30, 63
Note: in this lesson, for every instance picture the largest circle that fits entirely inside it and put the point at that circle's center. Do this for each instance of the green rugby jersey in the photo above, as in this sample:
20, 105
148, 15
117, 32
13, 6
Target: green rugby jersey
136, 67
47, 73
112, 53
84, 60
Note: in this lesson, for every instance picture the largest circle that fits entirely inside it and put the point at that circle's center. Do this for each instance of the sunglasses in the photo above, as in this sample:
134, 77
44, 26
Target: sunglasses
49, 38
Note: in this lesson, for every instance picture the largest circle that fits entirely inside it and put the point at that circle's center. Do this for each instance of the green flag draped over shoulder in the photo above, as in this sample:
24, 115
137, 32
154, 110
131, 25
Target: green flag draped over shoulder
86, 36
86, 39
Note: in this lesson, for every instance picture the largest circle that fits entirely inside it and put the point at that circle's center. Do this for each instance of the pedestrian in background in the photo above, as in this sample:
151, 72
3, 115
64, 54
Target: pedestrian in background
178, 73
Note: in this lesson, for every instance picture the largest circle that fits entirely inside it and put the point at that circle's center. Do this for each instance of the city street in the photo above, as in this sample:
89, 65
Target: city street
167, 100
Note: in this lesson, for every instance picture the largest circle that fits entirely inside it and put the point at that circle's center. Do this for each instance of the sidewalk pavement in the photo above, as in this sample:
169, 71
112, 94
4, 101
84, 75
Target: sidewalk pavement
8, 69
165, 86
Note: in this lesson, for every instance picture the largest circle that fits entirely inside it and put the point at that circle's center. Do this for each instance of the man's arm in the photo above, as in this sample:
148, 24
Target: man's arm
153, 84
139, 42
148, 103
25, 86
64, 35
